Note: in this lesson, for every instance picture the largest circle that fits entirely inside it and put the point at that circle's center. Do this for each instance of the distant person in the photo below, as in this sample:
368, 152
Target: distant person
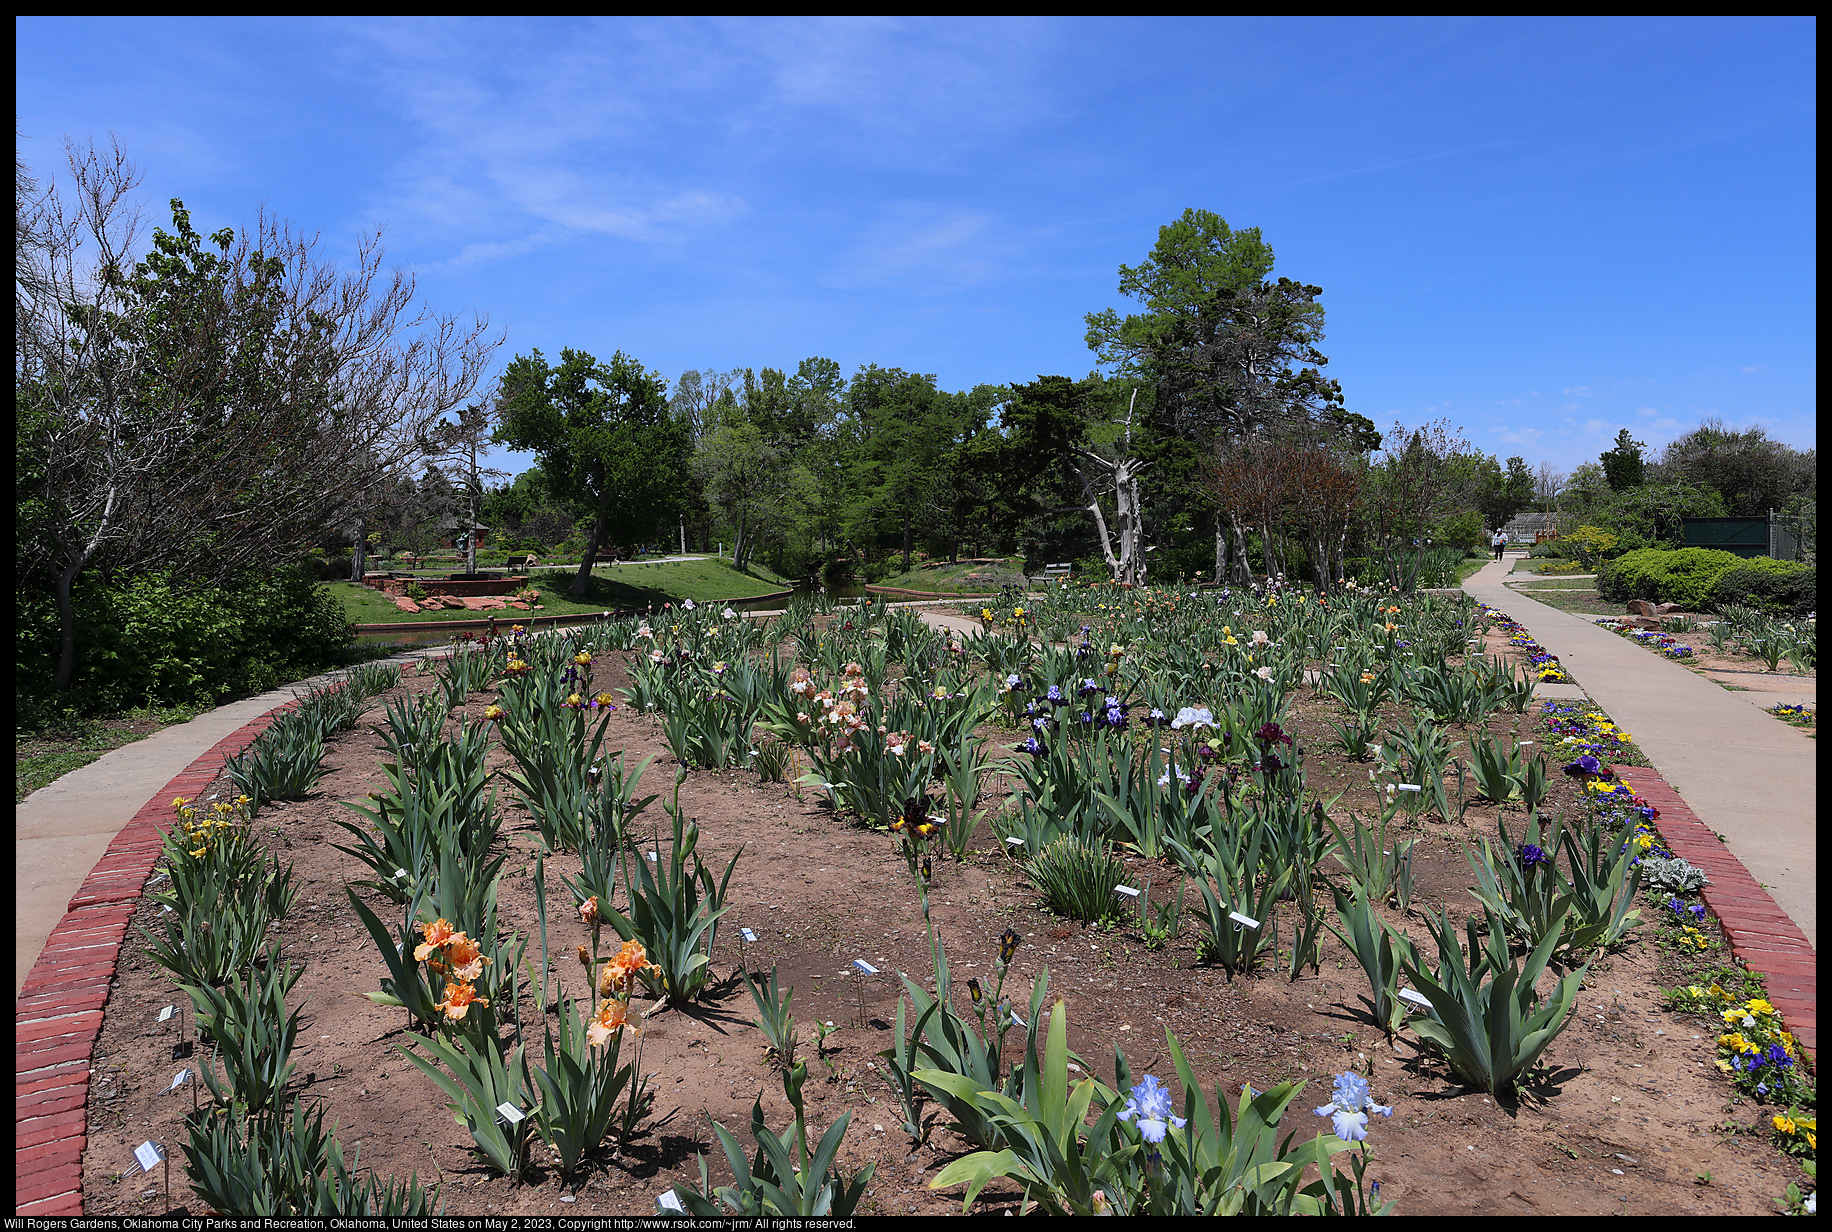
1499, 542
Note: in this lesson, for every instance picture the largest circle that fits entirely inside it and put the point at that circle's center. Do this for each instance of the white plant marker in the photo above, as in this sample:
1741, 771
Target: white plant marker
178, 1080
670, 1201
1242, 920
1014, 841
148, 1156
1406, 994
1128, 891
166, 1013
747, 934
510, 1113
863, 967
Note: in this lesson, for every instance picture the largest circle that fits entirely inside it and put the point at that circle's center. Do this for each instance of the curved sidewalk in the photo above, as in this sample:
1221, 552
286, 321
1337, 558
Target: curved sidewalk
1748, 776
61, 830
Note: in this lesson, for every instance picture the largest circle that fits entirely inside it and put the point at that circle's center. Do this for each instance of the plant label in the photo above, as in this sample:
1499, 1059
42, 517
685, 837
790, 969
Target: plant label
653, 858
178, 1080
863, 967
748, 935
510, 1113
148, 1156
166, 1013
1019, 1022
1014, 841
1242, 920
1128, 891
670, 1202
1406, 994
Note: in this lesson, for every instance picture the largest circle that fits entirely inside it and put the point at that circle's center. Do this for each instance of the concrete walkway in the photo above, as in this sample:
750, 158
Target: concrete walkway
61, 830
1747, 775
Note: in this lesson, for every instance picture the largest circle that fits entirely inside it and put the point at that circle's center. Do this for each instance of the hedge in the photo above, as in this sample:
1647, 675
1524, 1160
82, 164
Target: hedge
1705, 579
1686, 576
1777, 587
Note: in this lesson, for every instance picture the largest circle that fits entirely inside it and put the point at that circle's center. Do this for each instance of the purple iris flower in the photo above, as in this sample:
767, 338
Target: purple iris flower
1054, 696
1531, 855
1031, 746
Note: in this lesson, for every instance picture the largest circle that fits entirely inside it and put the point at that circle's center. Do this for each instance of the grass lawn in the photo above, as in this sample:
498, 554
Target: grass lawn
626, 584
41, 757
1547, 566
1577, 602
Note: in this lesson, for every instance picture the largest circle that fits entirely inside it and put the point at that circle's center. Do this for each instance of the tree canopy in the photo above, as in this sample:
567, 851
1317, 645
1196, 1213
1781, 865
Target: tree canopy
606, 439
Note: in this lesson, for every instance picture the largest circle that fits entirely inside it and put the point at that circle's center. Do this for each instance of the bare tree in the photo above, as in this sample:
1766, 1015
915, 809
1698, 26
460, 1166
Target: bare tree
209, 405
1118, 477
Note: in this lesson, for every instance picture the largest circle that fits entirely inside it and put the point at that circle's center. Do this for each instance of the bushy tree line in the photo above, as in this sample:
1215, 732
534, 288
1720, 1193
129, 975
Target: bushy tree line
1207, 444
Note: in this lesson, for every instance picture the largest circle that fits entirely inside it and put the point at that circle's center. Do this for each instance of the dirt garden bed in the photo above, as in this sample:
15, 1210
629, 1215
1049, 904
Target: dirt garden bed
1625, 1117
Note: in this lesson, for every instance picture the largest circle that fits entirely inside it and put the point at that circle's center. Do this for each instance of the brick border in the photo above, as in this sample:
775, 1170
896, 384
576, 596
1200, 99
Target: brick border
59, 1012
1760, 933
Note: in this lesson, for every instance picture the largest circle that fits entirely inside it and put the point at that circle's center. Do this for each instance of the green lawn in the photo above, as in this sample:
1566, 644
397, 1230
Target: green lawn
1548, 566
627, 584
1577, 602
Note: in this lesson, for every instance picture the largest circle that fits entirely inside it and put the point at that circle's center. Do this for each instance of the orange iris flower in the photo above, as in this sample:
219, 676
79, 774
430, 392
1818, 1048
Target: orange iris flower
458, 999
463, 956
612, 1016
620, 971
437, 934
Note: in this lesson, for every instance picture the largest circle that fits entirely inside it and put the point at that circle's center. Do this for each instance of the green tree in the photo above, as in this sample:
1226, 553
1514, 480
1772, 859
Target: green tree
1751, 471
752, 484
903, 431
605, 437
1226, 354
1623, 466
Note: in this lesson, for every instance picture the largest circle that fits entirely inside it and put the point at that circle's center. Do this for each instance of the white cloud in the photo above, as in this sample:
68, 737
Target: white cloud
915, 242
1747, 371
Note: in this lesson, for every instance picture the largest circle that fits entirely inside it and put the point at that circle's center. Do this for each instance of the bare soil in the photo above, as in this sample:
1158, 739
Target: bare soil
1625, 1117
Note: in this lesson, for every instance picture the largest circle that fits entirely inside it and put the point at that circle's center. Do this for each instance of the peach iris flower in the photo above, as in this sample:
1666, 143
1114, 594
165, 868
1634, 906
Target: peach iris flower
612, 1016
437, 934
621, 969
459, 997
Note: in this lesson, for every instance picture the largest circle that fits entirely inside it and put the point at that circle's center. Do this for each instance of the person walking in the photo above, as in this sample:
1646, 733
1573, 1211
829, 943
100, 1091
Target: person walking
1499, 542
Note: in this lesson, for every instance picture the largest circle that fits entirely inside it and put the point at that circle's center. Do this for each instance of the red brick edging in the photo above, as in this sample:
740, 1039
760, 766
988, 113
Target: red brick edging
60, 1007
1760, 933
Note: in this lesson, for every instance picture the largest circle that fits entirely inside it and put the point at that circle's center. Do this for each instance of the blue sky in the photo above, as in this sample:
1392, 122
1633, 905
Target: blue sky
1542, 230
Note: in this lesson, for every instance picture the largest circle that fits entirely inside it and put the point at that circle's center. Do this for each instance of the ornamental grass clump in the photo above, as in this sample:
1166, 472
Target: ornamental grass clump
1077, 879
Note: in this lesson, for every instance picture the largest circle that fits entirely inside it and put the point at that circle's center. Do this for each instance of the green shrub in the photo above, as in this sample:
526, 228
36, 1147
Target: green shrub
1686, 576
1464, 530
156, 640
1775, 587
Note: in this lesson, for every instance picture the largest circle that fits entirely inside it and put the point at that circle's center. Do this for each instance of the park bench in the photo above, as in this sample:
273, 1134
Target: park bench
1055, 574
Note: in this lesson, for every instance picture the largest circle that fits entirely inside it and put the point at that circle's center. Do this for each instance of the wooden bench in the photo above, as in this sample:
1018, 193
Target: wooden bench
1054, 574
